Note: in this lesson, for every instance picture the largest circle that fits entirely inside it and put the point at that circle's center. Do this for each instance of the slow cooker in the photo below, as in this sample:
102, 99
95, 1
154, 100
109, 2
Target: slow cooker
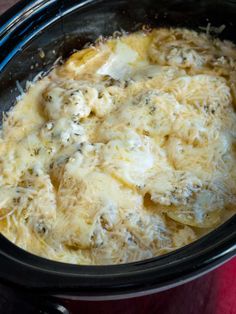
57, 27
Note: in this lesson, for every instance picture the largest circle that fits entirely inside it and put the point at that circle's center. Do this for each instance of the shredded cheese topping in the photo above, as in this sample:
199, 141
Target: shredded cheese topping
125, 152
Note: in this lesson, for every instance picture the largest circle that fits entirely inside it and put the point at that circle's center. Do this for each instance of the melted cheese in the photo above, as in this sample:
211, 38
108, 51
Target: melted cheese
124, 152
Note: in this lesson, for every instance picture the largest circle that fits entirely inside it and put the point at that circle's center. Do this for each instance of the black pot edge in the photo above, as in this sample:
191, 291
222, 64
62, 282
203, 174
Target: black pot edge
142, 293
154, 274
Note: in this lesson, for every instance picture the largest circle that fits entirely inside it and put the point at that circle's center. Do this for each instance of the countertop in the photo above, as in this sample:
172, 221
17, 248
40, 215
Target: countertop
5, 4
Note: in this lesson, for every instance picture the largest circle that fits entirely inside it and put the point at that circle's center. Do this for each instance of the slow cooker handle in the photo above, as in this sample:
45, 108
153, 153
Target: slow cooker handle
16, 301
50, 307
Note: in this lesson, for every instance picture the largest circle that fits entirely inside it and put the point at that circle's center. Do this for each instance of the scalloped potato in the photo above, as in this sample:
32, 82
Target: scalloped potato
124, 152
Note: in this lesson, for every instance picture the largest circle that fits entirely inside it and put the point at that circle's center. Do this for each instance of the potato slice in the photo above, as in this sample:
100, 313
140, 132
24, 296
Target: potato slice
209, 220
85, 61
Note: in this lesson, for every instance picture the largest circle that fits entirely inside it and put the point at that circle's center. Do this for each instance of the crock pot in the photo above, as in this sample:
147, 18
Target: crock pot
57, 27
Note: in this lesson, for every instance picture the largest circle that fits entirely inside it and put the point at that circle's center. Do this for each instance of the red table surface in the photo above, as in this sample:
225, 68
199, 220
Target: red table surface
213, 293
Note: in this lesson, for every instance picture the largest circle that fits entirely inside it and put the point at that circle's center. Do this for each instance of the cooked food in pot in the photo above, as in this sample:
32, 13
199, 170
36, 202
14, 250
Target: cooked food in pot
125, 152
